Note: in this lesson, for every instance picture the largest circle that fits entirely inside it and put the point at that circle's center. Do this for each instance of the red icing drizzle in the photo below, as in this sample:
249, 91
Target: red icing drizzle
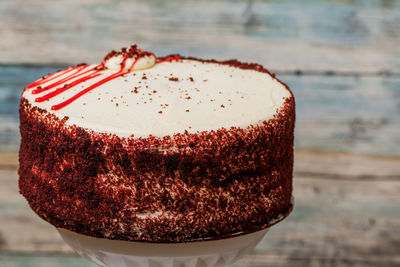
108, 78
50, 77
170, 58
66, 87
66, 79
133, 64
80, 74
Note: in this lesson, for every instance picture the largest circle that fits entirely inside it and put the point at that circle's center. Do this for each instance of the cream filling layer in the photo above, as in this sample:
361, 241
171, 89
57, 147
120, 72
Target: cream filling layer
169, 98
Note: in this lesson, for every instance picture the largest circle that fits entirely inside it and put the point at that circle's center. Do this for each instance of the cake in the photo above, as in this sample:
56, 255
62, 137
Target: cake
158, 149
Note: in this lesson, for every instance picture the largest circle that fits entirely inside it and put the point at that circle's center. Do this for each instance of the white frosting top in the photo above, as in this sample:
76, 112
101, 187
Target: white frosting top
169, 97
114, 63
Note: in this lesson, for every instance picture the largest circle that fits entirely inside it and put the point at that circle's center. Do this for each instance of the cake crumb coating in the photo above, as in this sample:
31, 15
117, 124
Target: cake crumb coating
180, 188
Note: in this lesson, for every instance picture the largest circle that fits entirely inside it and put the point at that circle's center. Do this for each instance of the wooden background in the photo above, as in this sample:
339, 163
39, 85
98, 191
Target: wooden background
341, 59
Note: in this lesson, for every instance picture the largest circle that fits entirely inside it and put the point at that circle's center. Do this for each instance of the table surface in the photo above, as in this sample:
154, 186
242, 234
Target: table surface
340, 58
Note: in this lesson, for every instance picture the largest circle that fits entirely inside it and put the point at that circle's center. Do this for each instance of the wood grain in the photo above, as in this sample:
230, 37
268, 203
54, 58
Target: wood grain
349, 219
341, 58
333, 36
356, 114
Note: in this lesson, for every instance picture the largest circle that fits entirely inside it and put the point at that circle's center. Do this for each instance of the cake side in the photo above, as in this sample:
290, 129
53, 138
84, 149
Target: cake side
172, 189
81, 169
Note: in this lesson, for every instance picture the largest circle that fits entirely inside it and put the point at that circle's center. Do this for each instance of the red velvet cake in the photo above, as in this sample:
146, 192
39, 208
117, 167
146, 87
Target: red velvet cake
169, 149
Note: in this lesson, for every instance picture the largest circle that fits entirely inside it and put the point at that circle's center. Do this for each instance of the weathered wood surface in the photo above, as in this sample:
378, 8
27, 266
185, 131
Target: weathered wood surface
341, 58
354, 114
341, 35
346, 213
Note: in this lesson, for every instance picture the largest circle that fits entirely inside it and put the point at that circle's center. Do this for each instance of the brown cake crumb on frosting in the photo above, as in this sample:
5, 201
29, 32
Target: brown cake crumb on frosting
131, 52
185, 187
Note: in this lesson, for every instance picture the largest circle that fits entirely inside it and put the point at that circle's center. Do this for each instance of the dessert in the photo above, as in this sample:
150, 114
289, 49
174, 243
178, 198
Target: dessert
169, 149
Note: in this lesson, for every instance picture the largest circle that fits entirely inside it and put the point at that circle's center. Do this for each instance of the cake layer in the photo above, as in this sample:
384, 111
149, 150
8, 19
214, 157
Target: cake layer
167, 98
215, 162
210, 185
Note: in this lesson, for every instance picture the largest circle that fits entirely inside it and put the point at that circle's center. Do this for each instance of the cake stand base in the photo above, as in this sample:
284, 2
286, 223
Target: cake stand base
212, 253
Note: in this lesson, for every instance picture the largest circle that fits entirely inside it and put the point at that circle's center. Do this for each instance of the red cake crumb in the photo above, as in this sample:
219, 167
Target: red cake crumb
132, 52
206, 185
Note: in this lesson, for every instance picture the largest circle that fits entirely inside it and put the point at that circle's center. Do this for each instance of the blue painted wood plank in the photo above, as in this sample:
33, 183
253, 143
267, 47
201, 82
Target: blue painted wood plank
357, 114
342, 35
346, 210
42, 260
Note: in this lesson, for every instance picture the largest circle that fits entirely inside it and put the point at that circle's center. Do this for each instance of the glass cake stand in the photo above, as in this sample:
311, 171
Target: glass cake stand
204, 253
116, 253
